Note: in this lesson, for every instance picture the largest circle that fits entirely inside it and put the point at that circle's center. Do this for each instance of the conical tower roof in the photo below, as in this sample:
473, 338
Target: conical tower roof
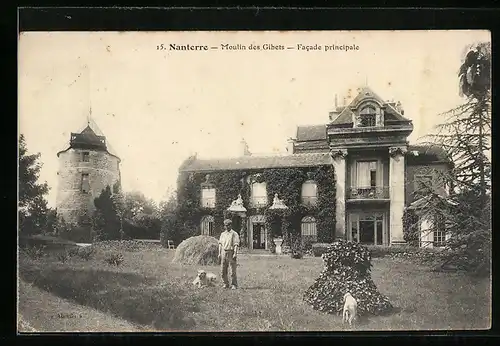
90, 137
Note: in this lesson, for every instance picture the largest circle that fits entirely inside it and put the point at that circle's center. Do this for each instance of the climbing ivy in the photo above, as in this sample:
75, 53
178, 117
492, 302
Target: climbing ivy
411, 231
286, 182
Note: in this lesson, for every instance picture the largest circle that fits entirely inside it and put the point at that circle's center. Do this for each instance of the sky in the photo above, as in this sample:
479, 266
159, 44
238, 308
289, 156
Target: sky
156, 107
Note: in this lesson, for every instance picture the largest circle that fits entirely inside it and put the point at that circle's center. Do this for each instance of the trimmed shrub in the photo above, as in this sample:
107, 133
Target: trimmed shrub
415, 253
126, 245
318, 249
85, 253
49, 243
114, 259
34, 252
202, 250
347, 268
63, 256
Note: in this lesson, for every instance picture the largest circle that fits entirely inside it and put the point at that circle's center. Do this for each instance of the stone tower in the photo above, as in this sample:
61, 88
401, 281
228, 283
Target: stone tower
86, 167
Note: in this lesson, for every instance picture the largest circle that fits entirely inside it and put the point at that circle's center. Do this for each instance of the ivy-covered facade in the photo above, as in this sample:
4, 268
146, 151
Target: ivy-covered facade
304, 184
352, 178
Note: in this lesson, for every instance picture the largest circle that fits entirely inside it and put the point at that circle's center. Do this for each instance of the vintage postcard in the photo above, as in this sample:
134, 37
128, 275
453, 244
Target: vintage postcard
254, 181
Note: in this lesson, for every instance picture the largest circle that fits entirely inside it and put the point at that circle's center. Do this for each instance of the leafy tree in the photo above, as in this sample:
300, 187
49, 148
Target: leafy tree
136, 205
106, 220
118, 203
167, 213
465, 134
32, 204
140, 216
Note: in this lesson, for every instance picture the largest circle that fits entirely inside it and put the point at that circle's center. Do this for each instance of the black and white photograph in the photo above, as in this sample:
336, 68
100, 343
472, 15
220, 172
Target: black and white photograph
254, 181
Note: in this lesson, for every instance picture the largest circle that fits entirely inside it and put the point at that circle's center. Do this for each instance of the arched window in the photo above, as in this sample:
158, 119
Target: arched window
309, 193
207, 225
367, 117
259, 194
308, 229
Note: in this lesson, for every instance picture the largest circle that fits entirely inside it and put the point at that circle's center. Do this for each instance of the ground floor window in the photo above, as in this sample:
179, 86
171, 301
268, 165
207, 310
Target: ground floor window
367, 228
309, 231
439, 238
207, 225
439, 232
432, 233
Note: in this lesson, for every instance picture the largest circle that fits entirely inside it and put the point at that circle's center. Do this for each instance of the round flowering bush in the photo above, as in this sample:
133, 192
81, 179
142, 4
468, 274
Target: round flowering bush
346, 269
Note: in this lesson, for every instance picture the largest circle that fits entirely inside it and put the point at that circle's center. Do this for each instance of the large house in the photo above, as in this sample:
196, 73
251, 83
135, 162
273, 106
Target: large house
377, 173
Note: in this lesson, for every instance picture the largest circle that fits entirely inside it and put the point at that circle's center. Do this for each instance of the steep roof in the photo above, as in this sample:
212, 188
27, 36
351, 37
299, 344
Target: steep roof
425, 201
431, 153
257, 162
311, 133
366, 92
90, 137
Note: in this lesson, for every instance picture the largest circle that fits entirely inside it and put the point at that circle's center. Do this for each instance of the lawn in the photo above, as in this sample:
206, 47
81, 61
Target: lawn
150, 292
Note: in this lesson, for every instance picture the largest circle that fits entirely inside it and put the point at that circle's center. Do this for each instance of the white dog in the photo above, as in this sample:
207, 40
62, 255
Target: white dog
204, 279
350, 309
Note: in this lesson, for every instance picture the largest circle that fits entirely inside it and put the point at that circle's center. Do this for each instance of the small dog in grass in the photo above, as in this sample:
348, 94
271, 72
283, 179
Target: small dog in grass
204, 279
350, 309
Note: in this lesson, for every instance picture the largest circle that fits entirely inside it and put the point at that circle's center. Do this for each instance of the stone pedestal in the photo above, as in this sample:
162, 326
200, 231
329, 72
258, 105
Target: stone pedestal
339, 164
397, 194
278, 242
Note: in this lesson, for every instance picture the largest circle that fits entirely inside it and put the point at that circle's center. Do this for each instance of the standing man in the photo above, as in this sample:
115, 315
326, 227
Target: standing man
228, 248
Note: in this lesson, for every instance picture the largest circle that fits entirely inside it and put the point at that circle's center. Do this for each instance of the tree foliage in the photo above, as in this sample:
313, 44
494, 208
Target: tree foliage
106, 221
142, 212
32, 205
465, 134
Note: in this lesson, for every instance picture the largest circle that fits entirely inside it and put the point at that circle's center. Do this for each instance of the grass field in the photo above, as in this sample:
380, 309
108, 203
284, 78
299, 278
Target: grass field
150, 293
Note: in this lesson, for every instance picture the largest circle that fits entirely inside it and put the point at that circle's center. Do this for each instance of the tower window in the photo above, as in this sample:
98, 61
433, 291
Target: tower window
86, 156
85, 183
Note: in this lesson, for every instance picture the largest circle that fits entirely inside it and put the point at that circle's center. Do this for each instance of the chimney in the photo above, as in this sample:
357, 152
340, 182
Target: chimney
399, 108
244, 148
290, 145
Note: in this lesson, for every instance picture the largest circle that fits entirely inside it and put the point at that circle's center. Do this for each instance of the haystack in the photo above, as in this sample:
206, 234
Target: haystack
202, 250
346, 269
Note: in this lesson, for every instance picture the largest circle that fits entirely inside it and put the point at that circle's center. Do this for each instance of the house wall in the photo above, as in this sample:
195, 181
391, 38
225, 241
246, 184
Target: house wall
430, 169
103, 170
195, 184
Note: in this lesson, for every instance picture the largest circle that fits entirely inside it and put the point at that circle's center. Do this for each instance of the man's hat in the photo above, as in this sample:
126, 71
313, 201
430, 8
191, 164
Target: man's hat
228, 222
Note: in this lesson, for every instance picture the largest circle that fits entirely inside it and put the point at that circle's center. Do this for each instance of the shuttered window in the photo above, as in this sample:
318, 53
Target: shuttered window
308, 229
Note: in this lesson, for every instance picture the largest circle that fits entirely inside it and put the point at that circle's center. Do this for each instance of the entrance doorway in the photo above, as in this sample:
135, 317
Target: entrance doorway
259, 236
368, 228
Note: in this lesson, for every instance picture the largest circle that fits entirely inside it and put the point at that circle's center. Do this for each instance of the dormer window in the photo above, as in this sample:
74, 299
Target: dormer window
367, 117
